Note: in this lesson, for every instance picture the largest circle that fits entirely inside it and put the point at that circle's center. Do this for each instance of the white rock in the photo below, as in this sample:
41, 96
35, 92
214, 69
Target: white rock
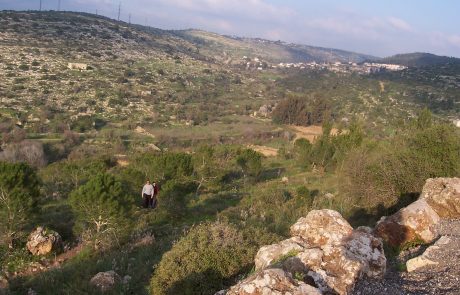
268, 254
105, 281
443, 195
416, 263
322, 227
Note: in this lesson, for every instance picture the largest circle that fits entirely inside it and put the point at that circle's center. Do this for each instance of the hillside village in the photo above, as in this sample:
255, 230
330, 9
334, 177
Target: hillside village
335, 67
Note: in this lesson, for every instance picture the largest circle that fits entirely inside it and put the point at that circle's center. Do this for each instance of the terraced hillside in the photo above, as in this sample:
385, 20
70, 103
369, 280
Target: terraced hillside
165, 81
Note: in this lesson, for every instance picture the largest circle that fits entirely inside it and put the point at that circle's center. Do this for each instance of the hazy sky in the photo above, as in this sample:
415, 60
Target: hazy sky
381, 28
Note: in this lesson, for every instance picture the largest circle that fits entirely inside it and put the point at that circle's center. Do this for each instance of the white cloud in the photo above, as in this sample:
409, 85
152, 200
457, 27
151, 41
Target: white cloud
254, 10
400, 24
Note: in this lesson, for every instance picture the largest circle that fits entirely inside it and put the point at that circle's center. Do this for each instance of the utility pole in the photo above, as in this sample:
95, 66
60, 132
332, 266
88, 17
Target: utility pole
40, 5
119, 11
59, 5
129, 19
96, 12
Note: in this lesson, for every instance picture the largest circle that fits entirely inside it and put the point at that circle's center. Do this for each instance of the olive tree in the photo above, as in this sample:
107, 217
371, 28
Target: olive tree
19, 195
100, 207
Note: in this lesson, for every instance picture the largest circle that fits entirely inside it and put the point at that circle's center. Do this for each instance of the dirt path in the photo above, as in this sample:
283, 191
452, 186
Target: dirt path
310, 133
264, 150
142, 131
382, 86
47, 264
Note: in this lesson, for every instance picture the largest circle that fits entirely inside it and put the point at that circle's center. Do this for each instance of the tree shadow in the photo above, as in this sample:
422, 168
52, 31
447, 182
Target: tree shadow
369, 217
58, 217
214, 204
270, 174
73, 277
206, 282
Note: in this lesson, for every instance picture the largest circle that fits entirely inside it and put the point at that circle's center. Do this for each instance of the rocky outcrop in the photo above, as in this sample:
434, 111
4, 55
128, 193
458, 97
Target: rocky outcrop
415, 222
443, 195
440, 199
273, 282
325, 255
105, 281
322, 227
43, 241
268, 254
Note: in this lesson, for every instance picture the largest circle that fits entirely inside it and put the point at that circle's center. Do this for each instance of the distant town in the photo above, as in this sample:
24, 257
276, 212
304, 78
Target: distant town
336, 67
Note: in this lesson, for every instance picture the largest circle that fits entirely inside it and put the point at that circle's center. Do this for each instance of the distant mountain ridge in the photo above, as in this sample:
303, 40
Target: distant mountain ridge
271, 51
419, 59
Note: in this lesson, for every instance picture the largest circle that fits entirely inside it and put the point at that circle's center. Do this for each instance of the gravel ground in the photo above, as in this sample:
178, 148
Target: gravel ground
442, 279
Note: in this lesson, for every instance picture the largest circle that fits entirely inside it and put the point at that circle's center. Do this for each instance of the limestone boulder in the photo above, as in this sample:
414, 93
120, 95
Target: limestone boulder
336, 269
44, 241
414, 222
322, 228
364, 247
106, 281
274, 282
419, 262
269, 254
325, 252
428, 257
443, 195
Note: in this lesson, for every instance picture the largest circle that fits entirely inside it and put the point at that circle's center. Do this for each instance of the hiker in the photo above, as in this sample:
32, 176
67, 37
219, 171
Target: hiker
153, 203
147, 193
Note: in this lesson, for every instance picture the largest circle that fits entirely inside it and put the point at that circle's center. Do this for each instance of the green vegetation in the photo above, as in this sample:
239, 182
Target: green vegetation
100, 207
206, 260
19, 196
302, 111
234, 173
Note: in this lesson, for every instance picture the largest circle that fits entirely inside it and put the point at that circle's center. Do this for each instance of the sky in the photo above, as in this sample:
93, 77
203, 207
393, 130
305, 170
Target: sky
380, 28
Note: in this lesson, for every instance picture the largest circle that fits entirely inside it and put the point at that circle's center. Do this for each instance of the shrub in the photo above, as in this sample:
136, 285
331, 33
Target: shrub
19, 195
24, 67
382, 174
250, 162
30, 152
161, 167
303, 111
206, 260
100, 207
82, 124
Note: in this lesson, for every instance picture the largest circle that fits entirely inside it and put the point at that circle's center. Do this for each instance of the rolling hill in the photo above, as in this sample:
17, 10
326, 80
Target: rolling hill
232, 48
419, 59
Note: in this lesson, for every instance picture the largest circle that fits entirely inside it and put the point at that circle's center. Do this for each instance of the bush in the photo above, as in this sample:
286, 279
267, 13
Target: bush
208, 259
19, 195
250, 162
82, 124
30, 152
161, 167
101, 206
382, 174
304, 111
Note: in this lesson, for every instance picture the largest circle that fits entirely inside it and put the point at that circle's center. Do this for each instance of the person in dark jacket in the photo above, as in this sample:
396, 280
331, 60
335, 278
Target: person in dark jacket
154, 201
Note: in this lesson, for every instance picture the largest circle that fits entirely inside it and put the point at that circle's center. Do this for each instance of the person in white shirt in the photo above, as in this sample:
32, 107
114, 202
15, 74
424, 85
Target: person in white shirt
147, 193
